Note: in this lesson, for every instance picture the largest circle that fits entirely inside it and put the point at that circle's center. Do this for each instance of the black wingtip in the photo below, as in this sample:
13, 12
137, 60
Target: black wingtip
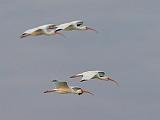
45, 91
54, 80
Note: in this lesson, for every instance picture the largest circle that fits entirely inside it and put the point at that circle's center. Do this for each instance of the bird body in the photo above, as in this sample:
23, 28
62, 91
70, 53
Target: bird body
52, 29
48, 29
63, 88
88, 75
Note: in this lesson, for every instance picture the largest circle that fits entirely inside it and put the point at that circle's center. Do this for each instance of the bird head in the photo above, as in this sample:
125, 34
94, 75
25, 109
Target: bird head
82, 27
81, 91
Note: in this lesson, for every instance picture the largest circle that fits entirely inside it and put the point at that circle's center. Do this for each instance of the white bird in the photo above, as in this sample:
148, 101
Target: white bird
63, 88
101, 75
74, 25
48, 29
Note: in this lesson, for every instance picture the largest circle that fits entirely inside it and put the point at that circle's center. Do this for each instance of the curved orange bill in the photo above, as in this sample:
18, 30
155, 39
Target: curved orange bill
113, 81
91, 29
86, 91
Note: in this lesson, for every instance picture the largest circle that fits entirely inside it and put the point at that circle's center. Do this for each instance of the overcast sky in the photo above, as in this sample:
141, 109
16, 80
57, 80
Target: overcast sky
127, 47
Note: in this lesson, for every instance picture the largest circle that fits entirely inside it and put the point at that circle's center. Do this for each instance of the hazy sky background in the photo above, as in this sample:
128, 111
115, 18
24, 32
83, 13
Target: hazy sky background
127, 47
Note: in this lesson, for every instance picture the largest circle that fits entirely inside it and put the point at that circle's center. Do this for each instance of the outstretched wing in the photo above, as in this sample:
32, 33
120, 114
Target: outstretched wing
88, 75
38, 32
74, 24
69, 26
66, 26
43, 29
61, 85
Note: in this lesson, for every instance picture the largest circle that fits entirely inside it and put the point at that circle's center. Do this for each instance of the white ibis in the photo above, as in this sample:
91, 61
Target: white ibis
48, 29
74, 25
101, 75
63, 88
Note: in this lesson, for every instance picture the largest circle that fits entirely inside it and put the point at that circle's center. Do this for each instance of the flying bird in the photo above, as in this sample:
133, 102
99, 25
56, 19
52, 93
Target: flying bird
88, 75
63, 88
74, 25
48, 29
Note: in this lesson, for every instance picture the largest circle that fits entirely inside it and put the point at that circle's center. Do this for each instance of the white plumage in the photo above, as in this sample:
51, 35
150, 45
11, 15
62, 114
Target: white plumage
74, 25
52, 29
63, 88
48, 29
88, 75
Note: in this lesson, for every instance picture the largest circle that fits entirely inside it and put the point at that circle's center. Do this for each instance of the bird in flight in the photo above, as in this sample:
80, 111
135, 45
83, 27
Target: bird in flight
48, 29
63, 88
74, 25
88, 75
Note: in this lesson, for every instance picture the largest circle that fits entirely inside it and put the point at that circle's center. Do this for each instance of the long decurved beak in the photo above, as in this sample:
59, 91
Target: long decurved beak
109, 78
91, 29
86, 91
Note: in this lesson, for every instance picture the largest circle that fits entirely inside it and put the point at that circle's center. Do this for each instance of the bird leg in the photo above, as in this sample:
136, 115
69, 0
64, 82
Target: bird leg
49, 91
24, 35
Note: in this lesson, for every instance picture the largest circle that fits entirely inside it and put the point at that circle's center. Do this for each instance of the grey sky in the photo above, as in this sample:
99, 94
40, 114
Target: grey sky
126, 47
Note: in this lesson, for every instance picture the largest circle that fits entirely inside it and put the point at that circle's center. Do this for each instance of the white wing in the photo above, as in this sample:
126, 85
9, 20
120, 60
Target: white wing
37, 30
61, 85
89, 75
69, 26
44, 26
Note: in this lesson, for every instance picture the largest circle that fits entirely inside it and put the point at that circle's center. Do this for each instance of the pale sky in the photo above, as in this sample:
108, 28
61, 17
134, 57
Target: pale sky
127, 47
